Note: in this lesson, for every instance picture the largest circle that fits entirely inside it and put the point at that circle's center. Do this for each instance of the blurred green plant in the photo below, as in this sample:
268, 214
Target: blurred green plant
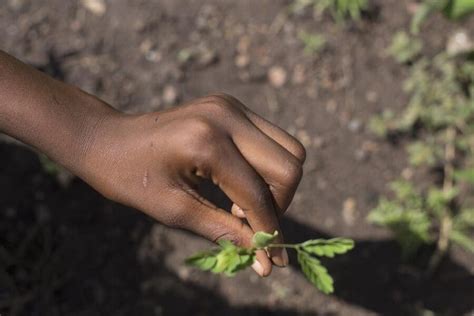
440, 113
339, 9
451, 9
229, 258
405, 48
313, 43
49, 166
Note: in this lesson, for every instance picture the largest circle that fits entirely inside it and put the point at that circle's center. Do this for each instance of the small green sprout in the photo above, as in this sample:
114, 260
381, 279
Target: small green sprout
313, 43
229, 258
405, 48
438, 126
452, 9
339, 9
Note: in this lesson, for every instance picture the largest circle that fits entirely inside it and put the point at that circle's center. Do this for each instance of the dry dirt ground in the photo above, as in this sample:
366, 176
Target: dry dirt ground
68, 251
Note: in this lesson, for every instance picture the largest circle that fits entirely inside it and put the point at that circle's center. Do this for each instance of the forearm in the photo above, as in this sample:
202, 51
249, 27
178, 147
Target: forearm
56, 118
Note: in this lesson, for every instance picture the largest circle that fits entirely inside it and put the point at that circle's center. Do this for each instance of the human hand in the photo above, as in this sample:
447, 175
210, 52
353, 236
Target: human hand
154, 162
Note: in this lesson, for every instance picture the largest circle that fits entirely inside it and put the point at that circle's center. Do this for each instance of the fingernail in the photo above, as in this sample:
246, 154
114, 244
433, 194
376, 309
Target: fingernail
239, 212
284, 255
257, 266
280, 257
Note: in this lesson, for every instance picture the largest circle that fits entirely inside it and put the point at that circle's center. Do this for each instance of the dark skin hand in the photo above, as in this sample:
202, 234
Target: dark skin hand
154, 161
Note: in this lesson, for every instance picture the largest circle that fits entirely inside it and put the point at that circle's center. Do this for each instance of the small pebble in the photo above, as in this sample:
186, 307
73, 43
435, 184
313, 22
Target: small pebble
277, 76
96, 7
242, 60
361, 155
407, 173
354, 125
460, 43
303, 137
349, 210
170, 95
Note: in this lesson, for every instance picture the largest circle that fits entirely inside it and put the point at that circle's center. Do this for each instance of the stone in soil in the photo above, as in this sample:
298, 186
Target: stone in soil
277, 76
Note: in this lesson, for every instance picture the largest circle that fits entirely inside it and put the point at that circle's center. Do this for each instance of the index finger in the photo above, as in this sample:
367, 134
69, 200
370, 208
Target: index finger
246, 188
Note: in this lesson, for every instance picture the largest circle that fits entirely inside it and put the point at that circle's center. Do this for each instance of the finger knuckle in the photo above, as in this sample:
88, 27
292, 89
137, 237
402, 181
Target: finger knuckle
202, 139
202, 130
175, 219
299, 150
292, 173
227, 97
231, 235
206, 156
216, 105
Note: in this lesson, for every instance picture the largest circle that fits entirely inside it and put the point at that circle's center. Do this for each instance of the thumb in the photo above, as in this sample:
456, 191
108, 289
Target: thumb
203, 218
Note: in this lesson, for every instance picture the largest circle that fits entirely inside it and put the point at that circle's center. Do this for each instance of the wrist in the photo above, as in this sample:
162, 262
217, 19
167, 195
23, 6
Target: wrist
96, 133
108, 137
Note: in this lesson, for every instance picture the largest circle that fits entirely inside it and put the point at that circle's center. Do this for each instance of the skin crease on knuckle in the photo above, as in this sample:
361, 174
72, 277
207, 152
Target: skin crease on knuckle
259, 197
290, 174
232, 234
175, 213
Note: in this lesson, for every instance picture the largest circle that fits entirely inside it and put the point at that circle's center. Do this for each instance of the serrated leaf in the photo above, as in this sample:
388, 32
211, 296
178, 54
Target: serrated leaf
262, 239
465, 219
316, 273
437, 200
226, 244
405, 48
421, 14
227, 259
203, 260
328, 247
406, 218
313, 43
421, 153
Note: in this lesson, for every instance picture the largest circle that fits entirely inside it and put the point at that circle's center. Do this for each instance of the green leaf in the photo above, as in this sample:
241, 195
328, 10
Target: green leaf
49, 166
465, 175
438, 200
227, 259
425, 9
328, 247
405, 217
465, 219
462, 240
457, 9
316, 273
226, 244
381, 125
340, 9
313, 43
405, 48
262, 239
203, 260
421, 153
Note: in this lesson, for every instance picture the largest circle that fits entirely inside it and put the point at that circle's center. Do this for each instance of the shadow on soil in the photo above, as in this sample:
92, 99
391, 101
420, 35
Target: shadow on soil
69, 251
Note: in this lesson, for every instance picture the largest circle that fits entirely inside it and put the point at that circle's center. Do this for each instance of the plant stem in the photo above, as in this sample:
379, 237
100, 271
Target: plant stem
297, 246
446, 219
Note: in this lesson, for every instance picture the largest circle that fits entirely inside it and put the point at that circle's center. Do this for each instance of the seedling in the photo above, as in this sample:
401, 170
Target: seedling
340, 9
229, 258
451, 9
440, 114
405, 48
313, 43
